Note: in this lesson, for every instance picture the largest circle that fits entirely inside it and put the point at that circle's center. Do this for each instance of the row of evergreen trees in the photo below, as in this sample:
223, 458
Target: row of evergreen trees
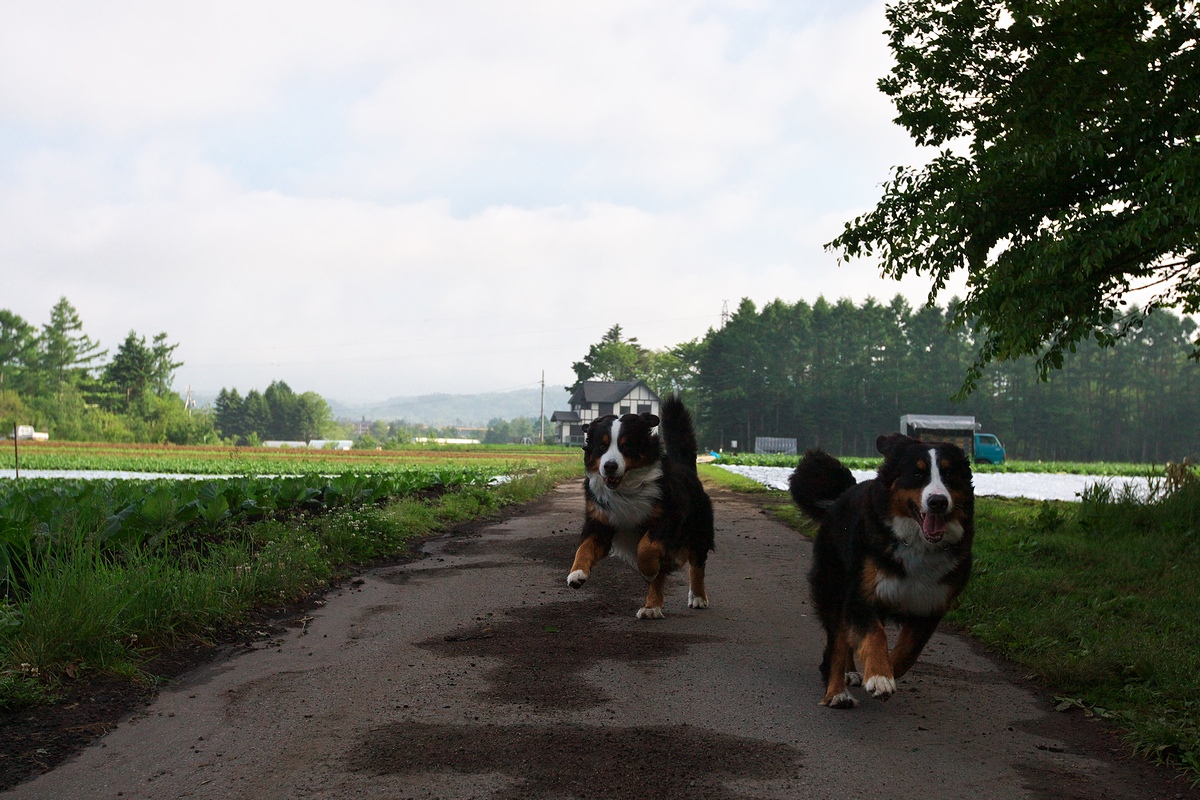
836, 375
58, 379
275, 414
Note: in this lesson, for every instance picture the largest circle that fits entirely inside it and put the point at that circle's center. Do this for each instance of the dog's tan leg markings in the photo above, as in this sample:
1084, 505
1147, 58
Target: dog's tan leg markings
697, 595
654, 598
590, 551
841, 660
650, 556
910, 643
877, 668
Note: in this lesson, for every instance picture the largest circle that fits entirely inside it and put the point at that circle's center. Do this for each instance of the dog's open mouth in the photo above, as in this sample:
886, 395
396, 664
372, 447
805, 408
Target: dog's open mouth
614, 481
933, 526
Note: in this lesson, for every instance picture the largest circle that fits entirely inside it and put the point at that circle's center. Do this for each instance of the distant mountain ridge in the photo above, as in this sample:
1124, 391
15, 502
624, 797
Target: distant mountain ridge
464, 410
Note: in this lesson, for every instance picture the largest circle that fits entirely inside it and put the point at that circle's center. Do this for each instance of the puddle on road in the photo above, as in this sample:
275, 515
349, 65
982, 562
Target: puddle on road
582, 761
543, 649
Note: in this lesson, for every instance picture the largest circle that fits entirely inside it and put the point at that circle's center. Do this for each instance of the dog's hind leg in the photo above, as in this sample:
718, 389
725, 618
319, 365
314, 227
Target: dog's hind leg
914, 634
838, 660
697, 594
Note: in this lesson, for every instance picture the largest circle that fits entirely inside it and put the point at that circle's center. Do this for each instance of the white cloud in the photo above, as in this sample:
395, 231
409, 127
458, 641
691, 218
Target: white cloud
372, 199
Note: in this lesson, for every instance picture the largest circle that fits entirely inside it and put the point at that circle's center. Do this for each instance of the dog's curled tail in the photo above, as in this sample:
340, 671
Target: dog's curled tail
817, 481
679, 437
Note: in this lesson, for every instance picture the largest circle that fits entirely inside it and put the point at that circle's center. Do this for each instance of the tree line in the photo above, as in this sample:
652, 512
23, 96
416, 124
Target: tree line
59, 379
277, 413
836, 375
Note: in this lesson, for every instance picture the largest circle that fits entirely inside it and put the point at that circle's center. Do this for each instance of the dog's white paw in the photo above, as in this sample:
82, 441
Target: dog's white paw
646, 612
881, 688
843, 700
697, 601
854, 679
576, 579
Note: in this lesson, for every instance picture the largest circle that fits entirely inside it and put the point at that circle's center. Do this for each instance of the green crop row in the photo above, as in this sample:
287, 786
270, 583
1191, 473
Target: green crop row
231, 463
36, 514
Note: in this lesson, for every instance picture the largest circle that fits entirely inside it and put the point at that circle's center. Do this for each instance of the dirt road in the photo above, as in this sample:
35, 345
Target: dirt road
476, 672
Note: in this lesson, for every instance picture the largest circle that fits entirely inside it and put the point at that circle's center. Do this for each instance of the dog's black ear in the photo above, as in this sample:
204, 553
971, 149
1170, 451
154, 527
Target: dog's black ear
650, 419
886, 443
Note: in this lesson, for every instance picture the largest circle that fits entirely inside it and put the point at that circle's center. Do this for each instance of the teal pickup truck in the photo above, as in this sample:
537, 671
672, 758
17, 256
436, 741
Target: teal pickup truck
988, 449
984, 448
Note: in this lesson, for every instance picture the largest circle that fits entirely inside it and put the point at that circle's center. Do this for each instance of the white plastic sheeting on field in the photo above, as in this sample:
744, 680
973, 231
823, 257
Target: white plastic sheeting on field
1034, 485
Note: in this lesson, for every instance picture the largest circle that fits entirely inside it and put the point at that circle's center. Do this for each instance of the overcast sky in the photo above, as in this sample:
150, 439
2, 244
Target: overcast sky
379, 199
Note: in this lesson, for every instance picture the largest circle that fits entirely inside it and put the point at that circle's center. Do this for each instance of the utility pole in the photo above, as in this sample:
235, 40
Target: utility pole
724, 312
16, 457
542, 412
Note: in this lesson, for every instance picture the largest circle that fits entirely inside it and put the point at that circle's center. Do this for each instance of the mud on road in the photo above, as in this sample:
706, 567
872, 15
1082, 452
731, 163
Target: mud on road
477, 673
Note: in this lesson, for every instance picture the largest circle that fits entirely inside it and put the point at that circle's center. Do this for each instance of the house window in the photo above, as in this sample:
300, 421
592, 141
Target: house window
577, 430
624, 410
605, 408
643, 409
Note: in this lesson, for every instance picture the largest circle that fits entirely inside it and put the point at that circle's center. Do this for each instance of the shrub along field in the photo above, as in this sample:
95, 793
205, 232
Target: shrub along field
163, 563
1097, 600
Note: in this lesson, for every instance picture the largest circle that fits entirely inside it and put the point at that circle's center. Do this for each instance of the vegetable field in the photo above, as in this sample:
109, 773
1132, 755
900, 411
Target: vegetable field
268, 461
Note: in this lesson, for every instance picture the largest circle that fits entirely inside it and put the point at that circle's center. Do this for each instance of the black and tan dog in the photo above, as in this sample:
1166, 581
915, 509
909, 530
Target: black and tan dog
895, 548
644, 502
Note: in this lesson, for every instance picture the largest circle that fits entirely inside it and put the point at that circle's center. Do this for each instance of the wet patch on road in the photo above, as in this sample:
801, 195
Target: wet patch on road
580, 761
543, 651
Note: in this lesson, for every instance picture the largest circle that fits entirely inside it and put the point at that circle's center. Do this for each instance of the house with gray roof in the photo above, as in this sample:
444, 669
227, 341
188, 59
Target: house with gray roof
595, 399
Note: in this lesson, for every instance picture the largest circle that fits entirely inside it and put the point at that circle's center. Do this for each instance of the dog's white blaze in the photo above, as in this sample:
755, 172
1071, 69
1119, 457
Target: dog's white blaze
936, 486
613, 453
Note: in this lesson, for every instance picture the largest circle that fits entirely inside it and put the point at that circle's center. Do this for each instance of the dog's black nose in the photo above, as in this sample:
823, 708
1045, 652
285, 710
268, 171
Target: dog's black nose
610, 467
938, 503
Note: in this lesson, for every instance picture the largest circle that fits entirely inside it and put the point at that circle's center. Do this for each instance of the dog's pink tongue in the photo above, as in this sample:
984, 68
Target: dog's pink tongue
934, 527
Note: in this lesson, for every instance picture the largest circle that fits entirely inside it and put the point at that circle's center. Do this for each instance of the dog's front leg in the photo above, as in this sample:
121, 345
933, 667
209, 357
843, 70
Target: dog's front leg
877, 667
650, 556
596, 542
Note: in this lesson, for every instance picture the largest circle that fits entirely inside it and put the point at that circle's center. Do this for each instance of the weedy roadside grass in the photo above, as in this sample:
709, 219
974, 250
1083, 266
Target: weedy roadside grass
89, 611
1098, 601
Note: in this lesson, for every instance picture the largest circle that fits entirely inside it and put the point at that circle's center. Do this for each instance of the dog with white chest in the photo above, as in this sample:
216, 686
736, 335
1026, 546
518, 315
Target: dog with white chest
895, 548
644, 502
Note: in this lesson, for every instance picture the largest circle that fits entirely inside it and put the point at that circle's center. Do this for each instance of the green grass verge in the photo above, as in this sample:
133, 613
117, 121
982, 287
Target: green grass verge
86, 611
712, 474
1099, 602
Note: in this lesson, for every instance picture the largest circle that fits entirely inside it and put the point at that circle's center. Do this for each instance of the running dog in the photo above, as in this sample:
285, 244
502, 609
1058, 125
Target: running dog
894, 548
644, 502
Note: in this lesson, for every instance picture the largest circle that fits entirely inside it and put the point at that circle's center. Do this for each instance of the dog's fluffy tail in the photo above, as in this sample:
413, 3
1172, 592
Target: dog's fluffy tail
817, 481
679, 437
